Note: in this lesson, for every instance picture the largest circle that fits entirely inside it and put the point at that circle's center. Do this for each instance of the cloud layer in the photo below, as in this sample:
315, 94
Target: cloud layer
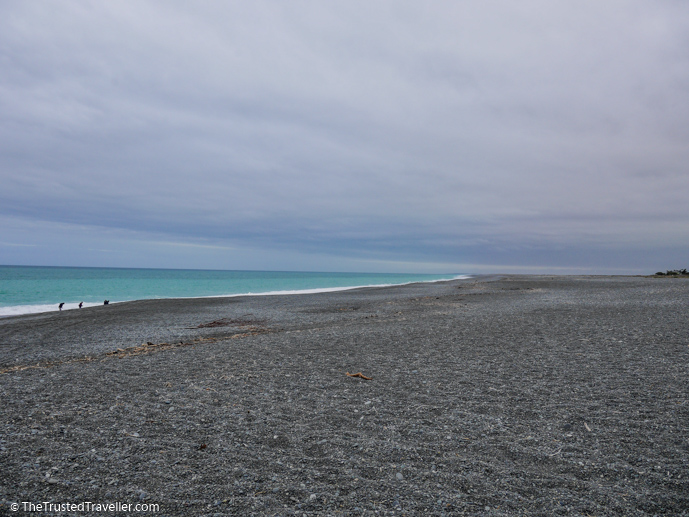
346, 135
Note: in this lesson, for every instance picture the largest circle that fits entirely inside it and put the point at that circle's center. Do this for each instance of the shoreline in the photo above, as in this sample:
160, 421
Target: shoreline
496, 395
49, 308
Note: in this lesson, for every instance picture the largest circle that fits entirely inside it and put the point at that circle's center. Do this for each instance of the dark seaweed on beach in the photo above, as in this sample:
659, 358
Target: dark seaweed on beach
229, 323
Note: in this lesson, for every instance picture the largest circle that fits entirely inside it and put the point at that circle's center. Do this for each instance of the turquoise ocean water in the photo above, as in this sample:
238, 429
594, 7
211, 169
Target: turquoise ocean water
28, 289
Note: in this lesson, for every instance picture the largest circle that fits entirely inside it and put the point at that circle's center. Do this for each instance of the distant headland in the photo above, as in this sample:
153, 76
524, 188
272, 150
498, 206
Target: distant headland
673, 272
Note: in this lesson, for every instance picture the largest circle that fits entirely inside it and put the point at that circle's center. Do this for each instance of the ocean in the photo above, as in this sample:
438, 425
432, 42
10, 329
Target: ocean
31, 289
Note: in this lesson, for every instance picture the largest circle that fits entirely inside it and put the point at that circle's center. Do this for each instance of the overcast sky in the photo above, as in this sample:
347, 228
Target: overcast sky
424, 136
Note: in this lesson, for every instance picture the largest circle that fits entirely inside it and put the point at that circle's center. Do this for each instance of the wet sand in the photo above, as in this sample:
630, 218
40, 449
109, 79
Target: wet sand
510, 395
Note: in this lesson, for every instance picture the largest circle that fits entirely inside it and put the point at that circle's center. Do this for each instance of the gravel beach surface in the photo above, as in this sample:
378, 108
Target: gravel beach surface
510, 395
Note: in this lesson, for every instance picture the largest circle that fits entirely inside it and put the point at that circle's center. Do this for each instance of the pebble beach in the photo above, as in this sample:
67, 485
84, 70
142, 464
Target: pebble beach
496, 395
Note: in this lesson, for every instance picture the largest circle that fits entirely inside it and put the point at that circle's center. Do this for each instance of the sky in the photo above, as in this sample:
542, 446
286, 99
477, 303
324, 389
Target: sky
387, 136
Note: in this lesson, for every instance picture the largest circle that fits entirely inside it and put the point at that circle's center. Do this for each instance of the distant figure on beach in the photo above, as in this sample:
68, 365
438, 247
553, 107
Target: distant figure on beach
80, 304
60, 306
106, 302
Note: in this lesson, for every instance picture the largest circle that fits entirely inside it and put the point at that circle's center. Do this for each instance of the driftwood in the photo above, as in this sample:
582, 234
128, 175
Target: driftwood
360, 375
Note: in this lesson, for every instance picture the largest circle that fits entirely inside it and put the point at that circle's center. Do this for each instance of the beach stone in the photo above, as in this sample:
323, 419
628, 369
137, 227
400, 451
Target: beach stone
507, 369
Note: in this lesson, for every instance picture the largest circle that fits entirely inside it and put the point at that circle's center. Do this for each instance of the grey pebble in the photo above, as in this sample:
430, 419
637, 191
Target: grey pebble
515, 365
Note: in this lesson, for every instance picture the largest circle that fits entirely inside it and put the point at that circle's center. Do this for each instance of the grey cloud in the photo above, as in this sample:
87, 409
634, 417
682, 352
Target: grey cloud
403, 131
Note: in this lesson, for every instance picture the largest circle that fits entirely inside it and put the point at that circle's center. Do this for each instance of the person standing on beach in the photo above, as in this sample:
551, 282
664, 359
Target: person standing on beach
80, 304
60, 306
